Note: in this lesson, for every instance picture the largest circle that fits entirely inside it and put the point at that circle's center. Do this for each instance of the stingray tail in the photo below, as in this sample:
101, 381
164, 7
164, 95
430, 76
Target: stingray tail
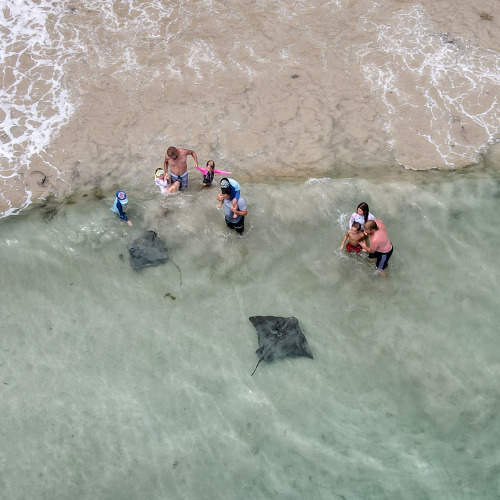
180, 274
256, 366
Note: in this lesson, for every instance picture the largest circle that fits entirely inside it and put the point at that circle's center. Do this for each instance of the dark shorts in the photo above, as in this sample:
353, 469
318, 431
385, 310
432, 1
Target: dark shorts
183, 180
383, 259
239, 226
350, 248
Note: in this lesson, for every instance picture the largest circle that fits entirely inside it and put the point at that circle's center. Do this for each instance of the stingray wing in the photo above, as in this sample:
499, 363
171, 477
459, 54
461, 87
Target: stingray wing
264, 336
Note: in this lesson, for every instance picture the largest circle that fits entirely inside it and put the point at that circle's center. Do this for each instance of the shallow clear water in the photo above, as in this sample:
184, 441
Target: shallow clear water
111, 389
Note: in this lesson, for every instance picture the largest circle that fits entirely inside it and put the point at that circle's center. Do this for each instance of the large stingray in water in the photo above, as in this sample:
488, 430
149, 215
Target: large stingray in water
279, 338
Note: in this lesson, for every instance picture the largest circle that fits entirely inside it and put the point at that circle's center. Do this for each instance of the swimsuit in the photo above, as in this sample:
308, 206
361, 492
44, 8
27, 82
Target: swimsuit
235, 189
117, 208
383, 259
350, 248
183, 179
355, 217
162, 184
208, 176
239, 226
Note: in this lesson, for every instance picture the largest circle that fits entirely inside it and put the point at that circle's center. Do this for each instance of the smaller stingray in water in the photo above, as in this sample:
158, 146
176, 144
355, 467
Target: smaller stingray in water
279, 338
147, 250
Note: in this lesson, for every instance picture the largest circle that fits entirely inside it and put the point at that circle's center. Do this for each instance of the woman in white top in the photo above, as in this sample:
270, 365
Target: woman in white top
361, 215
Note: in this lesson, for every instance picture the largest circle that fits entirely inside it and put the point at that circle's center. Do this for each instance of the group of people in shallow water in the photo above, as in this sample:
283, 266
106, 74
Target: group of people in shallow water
365, 233
173, 177
368, 234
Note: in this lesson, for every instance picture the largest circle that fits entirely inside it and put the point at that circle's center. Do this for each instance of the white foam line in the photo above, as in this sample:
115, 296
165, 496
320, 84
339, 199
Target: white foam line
33, 31
202, 52
456, 74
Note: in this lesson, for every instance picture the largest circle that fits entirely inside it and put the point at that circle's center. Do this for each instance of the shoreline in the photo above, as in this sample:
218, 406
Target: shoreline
489, 167
394, 87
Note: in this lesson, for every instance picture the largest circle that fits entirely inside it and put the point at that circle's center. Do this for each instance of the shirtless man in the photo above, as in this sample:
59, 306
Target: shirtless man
176, 159
353, 238
380, 245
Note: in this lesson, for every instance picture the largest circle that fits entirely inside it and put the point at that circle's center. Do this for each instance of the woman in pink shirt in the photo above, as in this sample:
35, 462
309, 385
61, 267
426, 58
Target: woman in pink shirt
380, 245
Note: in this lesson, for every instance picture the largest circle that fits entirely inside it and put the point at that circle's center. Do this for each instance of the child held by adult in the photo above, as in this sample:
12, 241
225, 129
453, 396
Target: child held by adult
209, 171
234, 213
235, 190
354, 237
162, 180
120, 201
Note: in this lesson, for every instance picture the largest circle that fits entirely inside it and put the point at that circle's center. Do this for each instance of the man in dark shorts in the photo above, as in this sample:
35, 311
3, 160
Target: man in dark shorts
238, 223
380, 245
176, 159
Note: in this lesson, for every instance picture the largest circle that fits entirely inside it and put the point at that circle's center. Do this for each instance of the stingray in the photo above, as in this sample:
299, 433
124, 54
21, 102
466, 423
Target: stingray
147, 250
279, 338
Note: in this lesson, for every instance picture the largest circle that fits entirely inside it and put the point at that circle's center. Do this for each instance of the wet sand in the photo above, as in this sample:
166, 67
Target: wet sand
325, 90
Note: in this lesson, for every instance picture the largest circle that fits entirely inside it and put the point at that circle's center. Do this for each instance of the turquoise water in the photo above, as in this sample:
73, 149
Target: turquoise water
113, 390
